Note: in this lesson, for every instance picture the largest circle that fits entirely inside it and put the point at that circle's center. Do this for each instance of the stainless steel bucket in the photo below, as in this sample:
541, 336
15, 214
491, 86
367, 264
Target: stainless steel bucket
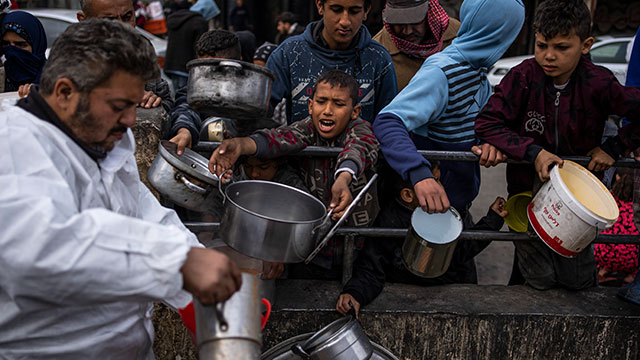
185, 179
271, 221
229, 88
231, 328
430, 242
343, 339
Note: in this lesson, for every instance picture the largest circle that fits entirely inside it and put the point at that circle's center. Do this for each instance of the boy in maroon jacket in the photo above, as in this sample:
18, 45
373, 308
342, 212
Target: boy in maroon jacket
558, 104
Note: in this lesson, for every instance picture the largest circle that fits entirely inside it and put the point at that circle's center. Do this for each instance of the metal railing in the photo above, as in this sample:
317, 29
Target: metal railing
350, 233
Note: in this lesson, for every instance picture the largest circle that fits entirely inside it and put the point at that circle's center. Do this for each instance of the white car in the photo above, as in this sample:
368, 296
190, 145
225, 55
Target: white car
56, 21
610, 52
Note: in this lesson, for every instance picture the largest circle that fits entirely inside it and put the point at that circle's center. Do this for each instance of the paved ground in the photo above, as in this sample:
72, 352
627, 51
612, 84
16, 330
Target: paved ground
494, 263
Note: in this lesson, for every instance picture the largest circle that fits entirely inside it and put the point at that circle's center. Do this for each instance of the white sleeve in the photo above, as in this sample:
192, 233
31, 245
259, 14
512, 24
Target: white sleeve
152, 211
52, 253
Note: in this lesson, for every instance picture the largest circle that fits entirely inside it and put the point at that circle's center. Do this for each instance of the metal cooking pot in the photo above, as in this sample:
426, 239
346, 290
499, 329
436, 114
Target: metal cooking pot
231, 330
343, 339
431, 240
185, 178
271, 221
229, 88
282, 351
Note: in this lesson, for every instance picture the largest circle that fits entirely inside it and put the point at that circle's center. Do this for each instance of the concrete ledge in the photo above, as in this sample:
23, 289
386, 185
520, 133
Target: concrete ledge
471, 322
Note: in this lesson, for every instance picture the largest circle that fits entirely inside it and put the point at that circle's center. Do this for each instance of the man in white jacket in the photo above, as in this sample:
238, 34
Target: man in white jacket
85, 248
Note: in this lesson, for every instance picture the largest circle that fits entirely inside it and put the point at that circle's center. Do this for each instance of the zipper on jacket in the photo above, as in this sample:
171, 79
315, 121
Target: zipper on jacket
555, 120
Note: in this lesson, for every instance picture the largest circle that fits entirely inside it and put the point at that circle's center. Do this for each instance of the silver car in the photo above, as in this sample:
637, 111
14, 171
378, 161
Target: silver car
56, 21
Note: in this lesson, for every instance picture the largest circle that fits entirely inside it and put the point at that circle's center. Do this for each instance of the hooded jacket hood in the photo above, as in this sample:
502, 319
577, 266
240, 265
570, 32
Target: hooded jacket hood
178, 18
483, 36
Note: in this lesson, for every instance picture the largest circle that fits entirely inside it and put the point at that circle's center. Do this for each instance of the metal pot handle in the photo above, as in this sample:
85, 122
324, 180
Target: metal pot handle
327, 216
224, 326
298, 350
342, 219
191, 186
231, 64
224, 196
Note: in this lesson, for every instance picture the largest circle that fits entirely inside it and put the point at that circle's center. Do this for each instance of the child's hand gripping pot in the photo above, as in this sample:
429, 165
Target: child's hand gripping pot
341, 196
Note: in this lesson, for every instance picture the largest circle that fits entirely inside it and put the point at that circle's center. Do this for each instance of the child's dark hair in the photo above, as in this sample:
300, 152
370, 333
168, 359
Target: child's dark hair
220, 44
623, 188
341, 79
367, 3
562, 17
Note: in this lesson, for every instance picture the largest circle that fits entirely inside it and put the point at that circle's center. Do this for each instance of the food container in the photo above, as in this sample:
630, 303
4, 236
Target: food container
229, 88
343, 339
271, 221
431, 240
185, 179
571, 209
232, 329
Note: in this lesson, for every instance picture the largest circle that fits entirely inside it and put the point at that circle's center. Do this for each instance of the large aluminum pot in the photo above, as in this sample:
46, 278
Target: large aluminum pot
271, 221
282, 351
232, 328
229, 88
431, 240
185, 179
343, 339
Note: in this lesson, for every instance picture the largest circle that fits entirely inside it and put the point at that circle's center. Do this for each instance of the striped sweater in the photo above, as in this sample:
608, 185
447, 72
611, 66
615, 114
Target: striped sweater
437, 110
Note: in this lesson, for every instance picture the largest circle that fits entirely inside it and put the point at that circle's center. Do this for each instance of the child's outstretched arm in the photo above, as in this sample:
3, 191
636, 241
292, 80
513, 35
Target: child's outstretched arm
341, 196
228, 153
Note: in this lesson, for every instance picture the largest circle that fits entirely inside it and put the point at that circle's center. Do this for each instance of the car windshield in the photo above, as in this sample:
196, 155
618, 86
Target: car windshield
53, 28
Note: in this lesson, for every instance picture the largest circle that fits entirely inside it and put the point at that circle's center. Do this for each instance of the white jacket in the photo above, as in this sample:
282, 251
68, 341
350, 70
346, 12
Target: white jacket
84, 248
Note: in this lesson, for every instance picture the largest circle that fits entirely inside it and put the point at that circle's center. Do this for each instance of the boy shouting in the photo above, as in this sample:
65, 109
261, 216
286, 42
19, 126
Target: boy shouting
334, 122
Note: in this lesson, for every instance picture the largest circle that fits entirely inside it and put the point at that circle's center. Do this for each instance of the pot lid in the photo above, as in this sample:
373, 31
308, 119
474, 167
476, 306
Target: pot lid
437, 228
190, 162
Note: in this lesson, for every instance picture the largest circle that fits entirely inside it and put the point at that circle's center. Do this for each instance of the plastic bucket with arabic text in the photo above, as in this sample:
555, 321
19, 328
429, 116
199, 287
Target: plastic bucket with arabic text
571, 209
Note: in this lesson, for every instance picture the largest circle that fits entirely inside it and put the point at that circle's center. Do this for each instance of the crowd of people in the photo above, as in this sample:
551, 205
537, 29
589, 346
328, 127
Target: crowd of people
87, 247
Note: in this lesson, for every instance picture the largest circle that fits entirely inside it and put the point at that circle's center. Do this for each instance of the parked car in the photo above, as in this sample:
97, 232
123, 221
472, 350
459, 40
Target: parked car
56, 21
610, 52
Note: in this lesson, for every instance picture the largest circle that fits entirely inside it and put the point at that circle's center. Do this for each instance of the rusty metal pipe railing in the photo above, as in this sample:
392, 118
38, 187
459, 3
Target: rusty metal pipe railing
472, 235
320, 151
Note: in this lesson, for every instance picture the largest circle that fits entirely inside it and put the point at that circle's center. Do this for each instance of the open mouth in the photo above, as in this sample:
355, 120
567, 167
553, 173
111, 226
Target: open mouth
326, 125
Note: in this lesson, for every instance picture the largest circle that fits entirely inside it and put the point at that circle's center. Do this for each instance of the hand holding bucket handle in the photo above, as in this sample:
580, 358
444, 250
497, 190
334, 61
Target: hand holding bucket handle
265, 317
342, 219
544, 162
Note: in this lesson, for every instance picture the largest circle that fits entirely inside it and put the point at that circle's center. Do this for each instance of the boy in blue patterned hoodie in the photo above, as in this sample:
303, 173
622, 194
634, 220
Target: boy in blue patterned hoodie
440, 104
338, 41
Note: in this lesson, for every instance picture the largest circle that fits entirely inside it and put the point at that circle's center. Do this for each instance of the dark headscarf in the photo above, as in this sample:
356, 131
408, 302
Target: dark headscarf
21, 66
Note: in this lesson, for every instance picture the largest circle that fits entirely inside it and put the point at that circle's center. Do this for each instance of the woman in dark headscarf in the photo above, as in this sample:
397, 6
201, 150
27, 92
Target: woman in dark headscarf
23, 49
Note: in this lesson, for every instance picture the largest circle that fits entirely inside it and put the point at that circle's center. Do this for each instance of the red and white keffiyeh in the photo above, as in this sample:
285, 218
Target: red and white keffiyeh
438, 21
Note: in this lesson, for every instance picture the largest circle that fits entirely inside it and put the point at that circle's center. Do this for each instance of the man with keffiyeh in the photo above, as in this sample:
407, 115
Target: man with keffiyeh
414, 30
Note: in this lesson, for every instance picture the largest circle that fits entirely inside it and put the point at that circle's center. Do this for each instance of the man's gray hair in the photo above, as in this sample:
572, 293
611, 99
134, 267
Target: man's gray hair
91, 51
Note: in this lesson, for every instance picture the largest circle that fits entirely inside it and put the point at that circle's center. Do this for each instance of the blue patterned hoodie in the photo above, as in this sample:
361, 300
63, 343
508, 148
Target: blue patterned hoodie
441, 102
301, 59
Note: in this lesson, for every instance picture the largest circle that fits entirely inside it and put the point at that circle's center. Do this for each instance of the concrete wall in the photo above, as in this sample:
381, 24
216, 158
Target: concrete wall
471, 322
